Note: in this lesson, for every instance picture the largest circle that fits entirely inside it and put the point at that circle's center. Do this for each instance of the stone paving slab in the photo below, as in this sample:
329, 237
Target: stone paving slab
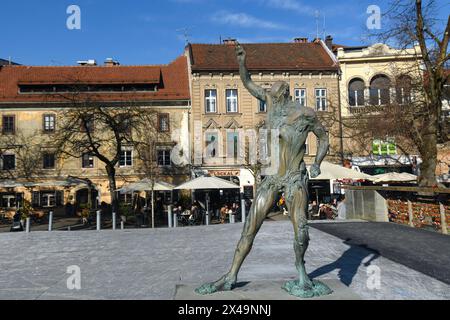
425, 251
148, 264
264, 290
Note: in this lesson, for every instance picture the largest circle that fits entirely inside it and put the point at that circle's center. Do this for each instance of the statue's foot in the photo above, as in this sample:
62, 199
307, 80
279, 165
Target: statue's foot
223, 284
307, 289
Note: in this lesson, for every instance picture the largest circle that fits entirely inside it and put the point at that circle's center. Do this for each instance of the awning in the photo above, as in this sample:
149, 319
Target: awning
69, 182
394, 177
10, 184
146, 185
207, 183
330, 171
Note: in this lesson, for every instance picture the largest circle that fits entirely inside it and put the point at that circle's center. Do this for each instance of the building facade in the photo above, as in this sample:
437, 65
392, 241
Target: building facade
30, 113
374, 76
224, 112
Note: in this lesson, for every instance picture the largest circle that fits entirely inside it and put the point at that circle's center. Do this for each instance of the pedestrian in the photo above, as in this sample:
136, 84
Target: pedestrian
223, 213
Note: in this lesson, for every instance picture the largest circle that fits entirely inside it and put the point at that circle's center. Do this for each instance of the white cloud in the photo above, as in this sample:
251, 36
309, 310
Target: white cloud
244, 20
301, 8
292, 5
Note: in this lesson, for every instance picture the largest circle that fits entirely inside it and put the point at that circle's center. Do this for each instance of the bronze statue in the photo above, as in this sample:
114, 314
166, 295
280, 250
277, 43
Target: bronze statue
294, 123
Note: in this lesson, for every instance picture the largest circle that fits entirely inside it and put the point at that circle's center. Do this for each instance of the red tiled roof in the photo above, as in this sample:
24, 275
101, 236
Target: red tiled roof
173, 81
90, 74
262, 56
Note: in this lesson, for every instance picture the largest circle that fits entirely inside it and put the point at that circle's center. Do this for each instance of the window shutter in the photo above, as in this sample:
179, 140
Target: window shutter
59, 198
35, 199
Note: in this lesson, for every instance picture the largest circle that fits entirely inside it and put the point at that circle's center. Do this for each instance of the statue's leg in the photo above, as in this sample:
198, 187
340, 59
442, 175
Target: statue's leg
298, 207
258, 212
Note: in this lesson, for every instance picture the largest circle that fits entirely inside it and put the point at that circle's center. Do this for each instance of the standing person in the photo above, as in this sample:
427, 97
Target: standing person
223, 213
282, 204
294, 123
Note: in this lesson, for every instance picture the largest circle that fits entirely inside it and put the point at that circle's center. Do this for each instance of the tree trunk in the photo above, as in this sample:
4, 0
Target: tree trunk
428, 152
111, 171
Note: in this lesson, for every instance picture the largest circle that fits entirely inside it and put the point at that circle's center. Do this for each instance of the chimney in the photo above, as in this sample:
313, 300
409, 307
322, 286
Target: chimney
329, 42
301, 40
90, 62
229, 42
110, 62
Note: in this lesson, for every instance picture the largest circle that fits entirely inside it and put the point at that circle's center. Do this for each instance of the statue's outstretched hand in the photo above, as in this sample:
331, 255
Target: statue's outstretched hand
240, 53
314, 170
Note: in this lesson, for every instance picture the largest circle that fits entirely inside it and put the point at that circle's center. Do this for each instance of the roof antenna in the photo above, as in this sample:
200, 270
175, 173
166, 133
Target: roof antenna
323, 27
185, 33
317, 15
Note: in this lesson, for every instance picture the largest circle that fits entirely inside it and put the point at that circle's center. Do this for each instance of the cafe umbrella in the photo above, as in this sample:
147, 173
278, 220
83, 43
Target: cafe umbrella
148, 185
207, 183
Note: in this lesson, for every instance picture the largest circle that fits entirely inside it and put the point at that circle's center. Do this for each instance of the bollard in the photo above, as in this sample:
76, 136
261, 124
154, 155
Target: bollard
175, 220
232, 218
410, 214
50, 220
28, 225
69, 229
114, 221
98, 220
207, 218
170, 216
444, 221
121, 225
243, 210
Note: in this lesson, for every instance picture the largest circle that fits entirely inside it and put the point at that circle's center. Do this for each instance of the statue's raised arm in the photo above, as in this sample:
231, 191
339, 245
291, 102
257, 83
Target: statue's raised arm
253, 88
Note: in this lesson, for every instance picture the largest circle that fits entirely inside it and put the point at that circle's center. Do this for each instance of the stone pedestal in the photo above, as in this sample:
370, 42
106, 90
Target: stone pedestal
264, 290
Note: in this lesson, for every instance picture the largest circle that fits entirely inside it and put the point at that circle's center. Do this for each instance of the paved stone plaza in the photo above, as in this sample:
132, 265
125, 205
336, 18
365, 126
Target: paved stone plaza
148, 264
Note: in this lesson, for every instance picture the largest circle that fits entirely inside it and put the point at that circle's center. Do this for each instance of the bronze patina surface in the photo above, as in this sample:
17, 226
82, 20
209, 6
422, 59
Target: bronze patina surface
294, 123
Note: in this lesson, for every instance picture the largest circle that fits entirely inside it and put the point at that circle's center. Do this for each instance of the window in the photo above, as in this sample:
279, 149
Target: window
8, 162
163, 122
124, 124
8, 201
356, 93
126, 157
384, 147
211, 144
321, 99
8, 125
48, 160
126, 198
379, 90
403, 90
232, 145
49, 123
318, 142
232, 100
300, 96
164, 157
211, 101
74, 87
47, 199
262, 106
87, 160
87, 124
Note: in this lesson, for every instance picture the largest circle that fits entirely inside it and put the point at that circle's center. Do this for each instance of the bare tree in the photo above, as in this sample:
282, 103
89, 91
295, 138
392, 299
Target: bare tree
420, 120
28, 151
87, 126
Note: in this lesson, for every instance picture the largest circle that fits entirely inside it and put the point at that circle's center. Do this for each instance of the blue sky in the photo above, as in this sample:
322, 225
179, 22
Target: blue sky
150, 31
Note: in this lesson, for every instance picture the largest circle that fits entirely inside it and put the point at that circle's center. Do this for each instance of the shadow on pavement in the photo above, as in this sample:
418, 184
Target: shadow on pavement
349, 262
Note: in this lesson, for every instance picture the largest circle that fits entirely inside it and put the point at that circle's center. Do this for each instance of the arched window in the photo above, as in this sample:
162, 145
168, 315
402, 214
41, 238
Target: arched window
379, 90
403, 89
356, 93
